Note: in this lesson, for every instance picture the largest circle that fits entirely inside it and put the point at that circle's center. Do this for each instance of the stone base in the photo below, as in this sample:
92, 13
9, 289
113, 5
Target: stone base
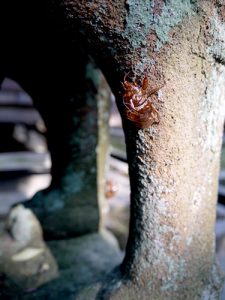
82, 262
26, 262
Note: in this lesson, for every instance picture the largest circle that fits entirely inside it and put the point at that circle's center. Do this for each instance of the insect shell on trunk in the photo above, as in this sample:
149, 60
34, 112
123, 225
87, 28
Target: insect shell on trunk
137, 101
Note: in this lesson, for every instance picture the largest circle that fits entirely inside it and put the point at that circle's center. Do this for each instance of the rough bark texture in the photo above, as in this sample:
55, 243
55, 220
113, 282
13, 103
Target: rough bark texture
78, 157
174, 164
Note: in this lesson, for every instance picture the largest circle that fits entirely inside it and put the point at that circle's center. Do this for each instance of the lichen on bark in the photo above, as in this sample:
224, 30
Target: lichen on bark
173, 193
173, 164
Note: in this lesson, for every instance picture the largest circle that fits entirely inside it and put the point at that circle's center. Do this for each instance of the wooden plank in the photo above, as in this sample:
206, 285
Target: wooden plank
11, 97
19, 115
25, 161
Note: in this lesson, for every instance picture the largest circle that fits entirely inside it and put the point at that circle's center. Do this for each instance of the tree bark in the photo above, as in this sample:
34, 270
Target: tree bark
78, 154
180, 47
72, 96
174, 164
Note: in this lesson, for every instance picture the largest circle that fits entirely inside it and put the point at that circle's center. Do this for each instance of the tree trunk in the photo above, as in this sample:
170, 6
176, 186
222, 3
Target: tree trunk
177, 49
180, 47
77, 135
72, 96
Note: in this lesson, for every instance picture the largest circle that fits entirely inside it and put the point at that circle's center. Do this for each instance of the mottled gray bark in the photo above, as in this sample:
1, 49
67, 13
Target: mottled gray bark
174, 170
174, 164
68, 90
78, 153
